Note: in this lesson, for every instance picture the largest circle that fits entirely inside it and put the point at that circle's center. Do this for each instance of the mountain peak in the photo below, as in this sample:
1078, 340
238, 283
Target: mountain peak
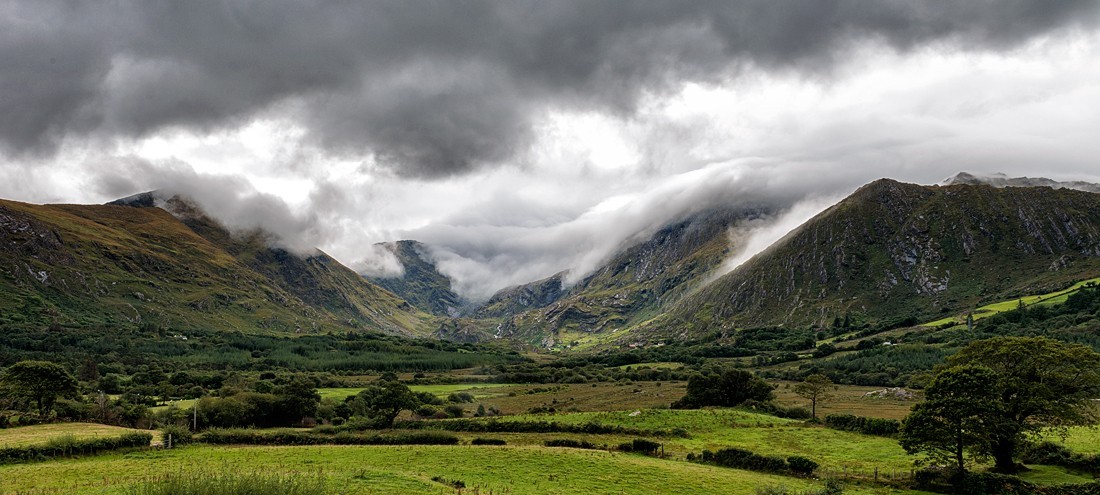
1003, 180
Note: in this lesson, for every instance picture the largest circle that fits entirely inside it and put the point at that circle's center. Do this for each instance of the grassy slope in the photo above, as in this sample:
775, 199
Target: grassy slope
88, 265
38, 434
408, 470
1048, 299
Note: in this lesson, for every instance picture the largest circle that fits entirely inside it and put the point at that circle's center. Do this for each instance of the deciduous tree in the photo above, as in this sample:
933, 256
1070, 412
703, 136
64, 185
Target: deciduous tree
817, 389
38, 382
956, 417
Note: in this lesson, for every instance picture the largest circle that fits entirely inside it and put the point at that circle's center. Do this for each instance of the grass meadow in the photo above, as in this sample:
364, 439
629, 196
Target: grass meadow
407, 470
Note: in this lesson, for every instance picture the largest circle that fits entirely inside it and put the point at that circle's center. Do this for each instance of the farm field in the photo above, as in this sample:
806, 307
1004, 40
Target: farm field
409, 470
37, 434
849, 399
1048, 299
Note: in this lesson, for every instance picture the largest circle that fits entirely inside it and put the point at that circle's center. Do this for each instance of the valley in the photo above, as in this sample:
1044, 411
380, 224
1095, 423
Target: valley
294, 368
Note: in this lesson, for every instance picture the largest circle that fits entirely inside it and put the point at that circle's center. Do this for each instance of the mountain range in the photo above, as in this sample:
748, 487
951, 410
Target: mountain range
889, 254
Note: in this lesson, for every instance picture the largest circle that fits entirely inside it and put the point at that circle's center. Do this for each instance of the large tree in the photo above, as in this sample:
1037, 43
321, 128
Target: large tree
39, 383
955, 418
383, 401
1036, 383
817, 389
729, 387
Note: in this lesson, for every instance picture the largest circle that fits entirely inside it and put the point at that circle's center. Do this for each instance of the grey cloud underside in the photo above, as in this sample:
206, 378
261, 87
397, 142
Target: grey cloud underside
432, 89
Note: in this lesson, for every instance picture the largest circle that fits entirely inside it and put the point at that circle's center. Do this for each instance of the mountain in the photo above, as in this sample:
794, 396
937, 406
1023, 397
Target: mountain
635, 285
1002, 180
132, 263
894, 252
422, 285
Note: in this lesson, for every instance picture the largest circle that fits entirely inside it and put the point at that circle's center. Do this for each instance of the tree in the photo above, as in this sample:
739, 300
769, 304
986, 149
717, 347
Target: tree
383, 401
728, 388
298, 399
1040, 383
1000, 390
39, 382
955, 417
816, 390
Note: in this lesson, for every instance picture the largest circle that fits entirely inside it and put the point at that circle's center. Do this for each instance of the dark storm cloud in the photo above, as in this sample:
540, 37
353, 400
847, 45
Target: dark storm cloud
432, 88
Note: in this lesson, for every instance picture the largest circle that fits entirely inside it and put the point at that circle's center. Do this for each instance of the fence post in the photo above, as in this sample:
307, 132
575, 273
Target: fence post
876, 473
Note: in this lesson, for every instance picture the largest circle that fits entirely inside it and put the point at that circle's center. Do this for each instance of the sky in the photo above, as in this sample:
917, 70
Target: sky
522, 138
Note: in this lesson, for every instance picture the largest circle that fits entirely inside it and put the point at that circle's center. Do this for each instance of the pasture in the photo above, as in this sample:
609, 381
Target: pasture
40, 434
409, 470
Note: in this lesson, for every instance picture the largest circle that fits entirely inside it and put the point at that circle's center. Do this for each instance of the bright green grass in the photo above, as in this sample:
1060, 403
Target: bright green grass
1053, 475
479, 390
40, 434
408, 470
1080, 439
713, 429
182, 404
1048, 299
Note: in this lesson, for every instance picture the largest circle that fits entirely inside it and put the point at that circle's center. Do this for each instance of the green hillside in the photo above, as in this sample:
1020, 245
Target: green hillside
893, 253
110, 265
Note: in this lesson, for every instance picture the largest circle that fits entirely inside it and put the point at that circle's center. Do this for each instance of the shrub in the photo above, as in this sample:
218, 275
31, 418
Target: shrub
460, 397
230, 483
290, 437
860, 424
68, 446
744, 459
567, 442
454, 411
801, 465
487, 441
641, 446
179, 435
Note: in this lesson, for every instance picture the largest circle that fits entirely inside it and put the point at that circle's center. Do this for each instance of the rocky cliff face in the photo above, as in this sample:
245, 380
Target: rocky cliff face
894, 250
422, 285
635, 285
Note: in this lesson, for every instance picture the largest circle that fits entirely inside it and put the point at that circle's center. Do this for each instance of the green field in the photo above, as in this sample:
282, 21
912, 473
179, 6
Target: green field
38, 434
409, 470
1048, 299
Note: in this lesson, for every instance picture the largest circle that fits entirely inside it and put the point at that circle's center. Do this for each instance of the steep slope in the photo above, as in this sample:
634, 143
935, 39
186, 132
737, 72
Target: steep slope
421, 285
84, 265
892, 251
635, 285
513, 300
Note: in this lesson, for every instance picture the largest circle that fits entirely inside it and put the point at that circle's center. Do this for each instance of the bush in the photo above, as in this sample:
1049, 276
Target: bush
640, 446
231, 483
290, 437
1053, 454
180, 435
496, 426
744, 459
801, 465
487, 441
567, 442
67, 446
460, 397
777, 410
860, 424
